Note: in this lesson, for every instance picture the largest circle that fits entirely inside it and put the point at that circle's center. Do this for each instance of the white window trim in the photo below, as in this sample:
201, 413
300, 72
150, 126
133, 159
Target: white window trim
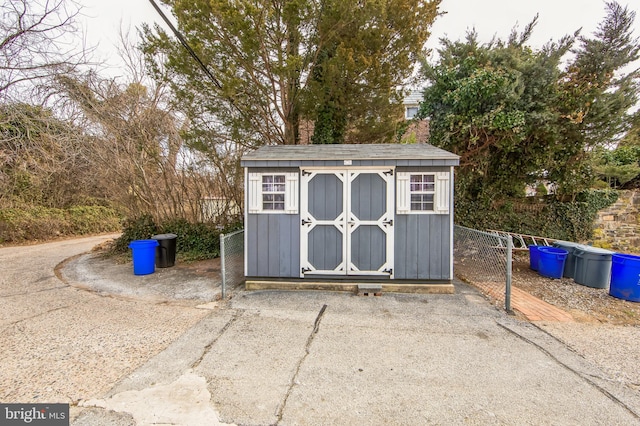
291, 193
406, 111
441, 196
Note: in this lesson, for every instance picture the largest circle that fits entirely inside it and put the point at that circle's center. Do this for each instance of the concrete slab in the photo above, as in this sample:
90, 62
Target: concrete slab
283, 357
328, 358
184, 401
92, 272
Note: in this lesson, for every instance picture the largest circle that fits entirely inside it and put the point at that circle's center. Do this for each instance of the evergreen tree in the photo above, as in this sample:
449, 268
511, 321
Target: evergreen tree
515, 117
597, 95
341, 64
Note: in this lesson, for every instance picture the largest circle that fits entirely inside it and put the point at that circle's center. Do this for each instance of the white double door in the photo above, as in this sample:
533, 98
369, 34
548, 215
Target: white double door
347, 221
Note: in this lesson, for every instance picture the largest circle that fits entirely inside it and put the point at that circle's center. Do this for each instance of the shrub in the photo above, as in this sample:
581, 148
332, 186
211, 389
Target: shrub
195, 241
138, 228
572, 221
93, 219
35, 223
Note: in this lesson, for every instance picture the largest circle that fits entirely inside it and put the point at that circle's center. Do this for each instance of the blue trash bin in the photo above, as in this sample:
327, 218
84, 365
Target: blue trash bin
144, 256
570, 263
551, 262
625, 277
534, 257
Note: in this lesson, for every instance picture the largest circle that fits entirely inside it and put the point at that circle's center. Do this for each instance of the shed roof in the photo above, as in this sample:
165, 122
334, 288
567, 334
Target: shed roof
420, 151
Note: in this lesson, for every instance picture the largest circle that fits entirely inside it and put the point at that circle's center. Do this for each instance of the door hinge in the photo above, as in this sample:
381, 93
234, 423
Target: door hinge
388, 222
306, 221
305, 172
388, 271
389, 172
305, 270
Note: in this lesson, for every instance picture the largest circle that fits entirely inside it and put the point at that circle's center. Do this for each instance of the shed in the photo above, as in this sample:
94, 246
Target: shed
339, 216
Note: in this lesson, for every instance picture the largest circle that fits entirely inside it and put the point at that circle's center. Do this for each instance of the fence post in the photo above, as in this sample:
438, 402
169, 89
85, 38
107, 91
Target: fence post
222, 269
507, 295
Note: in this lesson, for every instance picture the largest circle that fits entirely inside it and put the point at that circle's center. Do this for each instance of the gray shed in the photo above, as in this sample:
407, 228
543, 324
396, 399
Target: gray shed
334, 216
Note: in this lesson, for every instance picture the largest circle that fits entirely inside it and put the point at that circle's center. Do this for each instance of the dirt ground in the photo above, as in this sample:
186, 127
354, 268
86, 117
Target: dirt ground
586, 304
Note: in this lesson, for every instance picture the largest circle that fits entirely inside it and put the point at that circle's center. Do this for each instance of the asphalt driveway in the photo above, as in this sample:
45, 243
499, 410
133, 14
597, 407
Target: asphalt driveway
304, 358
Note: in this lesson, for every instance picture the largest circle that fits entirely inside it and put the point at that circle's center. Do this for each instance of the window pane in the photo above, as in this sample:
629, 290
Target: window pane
429, 184
422, 202
422, 183
411, 112
273, 189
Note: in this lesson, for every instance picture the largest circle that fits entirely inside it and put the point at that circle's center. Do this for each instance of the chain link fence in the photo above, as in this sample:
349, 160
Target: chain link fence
484, 260
232, 260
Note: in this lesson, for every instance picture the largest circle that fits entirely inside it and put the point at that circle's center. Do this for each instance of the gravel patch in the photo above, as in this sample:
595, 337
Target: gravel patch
586, 304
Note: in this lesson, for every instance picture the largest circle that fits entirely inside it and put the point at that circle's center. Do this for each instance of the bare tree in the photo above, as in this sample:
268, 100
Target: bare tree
42, 159
138, 150
38, 39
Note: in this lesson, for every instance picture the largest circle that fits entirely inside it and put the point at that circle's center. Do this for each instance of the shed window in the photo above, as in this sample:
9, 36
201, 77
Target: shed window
422, 193
422, 189
273, 192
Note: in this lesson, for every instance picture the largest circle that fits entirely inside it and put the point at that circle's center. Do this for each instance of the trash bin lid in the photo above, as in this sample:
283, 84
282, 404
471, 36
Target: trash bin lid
585, 250
164, 237
565, 244
596, 250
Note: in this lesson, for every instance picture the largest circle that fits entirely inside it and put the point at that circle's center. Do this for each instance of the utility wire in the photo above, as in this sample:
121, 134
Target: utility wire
184, 43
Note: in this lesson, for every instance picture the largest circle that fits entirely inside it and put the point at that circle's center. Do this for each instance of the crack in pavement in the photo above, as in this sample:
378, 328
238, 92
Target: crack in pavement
32, 291
292, 383
11, 324
237, 314
574, 371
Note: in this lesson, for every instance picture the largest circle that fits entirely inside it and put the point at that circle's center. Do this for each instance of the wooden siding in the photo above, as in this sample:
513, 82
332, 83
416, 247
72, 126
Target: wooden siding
368, 202
325, 247
368, 248
422, 247
273, 245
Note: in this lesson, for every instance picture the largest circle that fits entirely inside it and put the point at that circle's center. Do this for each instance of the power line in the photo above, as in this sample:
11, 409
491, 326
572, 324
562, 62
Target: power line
184, 43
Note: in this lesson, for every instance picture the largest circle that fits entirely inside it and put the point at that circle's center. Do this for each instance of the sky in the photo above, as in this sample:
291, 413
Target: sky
103, 19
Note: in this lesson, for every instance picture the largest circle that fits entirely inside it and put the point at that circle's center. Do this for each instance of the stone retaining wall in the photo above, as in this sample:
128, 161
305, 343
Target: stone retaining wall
618, 226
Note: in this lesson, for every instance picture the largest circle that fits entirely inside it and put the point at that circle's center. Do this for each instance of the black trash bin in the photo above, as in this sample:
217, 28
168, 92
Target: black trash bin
166, 250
